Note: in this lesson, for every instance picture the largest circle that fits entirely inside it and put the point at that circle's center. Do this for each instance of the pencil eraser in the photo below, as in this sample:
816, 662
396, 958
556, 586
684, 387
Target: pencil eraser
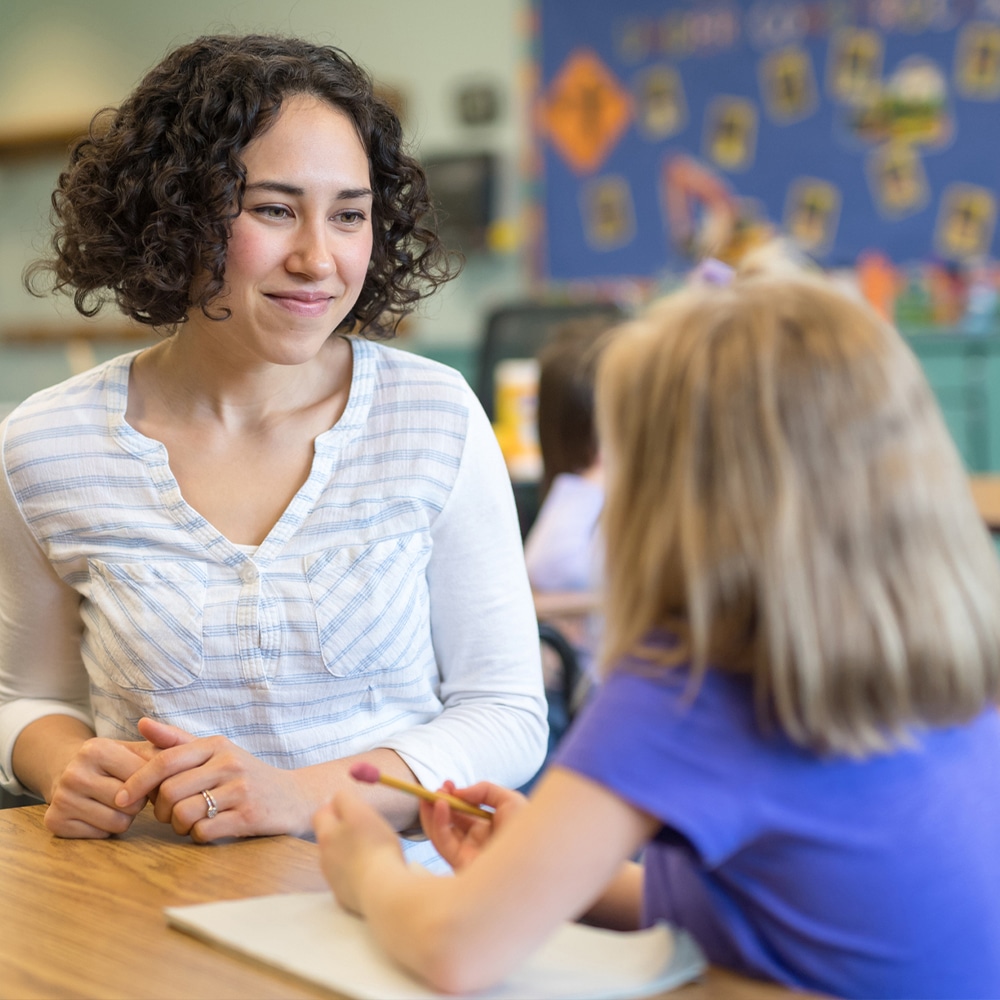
363, 771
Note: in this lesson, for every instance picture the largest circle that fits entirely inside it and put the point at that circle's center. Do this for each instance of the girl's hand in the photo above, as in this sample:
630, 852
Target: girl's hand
83, 799
352, 836
252, 798
460, 838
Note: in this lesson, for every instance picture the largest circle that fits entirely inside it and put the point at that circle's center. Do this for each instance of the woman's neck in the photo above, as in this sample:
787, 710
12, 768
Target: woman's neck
189, 382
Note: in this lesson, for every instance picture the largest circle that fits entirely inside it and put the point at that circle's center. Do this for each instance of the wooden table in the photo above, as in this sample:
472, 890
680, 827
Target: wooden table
84, 918
986, 493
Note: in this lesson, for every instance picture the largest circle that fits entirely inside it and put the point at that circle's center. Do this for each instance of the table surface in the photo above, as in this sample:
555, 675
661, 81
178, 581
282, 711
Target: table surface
84, 918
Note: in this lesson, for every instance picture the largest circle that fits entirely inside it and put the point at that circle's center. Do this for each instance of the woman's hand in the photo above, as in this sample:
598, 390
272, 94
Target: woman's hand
82, 799
351, 836
460, 838
252, 798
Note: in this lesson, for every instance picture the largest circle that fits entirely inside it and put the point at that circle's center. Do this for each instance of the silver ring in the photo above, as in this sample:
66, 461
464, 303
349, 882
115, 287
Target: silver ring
213, 809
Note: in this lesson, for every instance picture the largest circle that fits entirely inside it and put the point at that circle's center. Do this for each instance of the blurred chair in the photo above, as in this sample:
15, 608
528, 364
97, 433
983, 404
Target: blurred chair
518, 330
527, 499
562, 690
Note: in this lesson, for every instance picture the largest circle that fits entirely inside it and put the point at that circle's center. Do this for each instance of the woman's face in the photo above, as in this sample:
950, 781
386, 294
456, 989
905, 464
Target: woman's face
299, 251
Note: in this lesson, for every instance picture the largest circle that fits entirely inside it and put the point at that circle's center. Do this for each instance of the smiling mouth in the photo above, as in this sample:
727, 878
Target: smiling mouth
302, 304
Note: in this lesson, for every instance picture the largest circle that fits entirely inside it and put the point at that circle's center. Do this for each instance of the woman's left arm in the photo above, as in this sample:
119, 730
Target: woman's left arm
485, 633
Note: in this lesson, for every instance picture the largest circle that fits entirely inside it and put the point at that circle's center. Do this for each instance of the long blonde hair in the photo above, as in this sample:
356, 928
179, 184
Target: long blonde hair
784, 497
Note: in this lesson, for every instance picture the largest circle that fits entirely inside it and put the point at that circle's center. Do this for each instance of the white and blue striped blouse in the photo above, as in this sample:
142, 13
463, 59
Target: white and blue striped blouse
388, 607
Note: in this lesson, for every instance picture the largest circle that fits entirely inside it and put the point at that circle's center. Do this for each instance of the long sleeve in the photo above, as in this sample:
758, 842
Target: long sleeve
485, 634
41, 671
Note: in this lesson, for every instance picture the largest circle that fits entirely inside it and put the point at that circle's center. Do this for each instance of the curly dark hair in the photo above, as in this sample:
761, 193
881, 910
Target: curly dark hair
148, 200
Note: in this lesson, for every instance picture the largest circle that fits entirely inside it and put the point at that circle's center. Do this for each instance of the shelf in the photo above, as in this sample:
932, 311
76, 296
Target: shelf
58, 333
32, 142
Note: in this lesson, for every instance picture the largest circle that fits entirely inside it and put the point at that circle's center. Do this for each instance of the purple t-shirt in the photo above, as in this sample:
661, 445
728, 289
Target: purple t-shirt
874, 878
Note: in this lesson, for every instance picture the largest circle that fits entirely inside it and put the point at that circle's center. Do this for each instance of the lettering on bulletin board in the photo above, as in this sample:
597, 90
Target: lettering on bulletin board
672, 130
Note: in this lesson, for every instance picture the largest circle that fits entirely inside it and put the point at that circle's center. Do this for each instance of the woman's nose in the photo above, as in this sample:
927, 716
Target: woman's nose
311, 255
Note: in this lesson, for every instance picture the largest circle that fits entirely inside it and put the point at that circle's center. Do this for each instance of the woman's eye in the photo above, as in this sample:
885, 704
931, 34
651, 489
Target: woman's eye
351, 217
272, 211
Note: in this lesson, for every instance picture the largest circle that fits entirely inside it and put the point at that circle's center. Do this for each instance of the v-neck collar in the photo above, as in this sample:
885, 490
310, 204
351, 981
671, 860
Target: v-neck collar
328, 446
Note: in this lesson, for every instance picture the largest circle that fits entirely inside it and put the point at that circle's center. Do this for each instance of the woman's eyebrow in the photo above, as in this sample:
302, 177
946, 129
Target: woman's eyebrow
280, 187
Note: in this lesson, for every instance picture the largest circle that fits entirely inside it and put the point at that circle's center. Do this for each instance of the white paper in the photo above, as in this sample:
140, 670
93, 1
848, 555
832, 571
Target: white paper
310, 935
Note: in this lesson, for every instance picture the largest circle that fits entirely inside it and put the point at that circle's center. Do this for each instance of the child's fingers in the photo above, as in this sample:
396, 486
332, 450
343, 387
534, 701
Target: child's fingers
436, 820
459, 822
343, 801
426, 811
487, 794
431, 819
352, 809
324, 821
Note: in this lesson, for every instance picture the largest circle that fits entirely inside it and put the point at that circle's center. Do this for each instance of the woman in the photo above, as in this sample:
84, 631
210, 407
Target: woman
261, 550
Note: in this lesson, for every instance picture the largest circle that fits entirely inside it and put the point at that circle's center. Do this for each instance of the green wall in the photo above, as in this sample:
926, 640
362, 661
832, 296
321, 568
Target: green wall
964, 372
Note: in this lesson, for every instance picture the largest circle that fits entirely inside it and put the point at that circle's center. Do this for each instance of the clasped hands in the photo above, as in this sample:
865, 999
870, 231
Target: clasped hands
108, 783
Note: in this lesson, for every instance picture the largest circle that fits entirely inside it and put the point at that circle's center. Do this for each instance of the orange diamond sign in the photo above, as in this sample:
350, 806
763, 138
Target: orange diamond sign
586, 111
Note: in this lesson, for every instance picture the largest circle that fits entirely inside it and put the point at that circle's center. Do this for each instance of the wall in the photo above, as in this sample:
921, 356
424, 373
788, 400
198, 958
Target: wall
60, 60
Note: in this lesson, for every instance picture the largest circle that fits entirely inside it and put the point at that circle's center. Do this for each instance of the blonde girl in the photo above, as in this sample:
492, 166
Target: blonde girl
802, 661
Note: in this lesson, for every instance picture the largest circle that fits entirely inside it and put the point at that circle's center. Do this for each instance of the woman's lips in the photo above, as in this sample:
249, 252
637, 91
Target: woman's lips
301, 303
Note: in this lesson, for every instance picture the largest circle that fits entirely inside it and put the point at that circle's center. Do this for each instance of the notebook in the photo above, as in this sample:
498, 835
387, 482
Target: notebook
311, 936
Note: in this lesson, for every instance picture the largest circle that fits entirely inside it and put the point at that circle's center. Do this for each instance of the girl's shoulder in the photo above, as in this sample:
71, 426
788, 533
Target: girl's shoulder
654, 673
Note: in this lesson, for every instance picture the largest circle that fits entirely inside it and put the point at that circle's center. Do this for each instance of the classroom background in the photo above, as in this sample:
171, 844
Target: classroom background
584, 155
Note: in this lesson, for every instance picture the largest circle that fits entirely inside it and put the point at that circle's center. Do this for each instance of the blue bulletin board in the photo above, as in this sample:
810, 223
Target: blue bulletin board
668, 130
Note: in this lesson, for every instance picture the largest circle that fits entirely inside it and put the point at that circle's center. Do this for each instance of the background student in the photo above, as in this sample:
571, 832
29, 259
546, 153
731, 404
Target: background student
562, 549
798, 715
268, 546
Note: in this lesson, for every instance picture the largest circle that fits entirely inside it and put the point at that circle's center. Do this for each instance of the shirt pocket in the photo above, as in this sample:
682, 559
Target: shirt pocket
147, 623
371, 603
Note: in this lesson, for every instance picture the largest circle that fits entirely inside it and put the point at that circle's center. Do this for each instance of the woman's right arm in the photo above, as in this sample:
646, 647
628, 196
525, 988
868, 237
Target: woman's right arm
45, 719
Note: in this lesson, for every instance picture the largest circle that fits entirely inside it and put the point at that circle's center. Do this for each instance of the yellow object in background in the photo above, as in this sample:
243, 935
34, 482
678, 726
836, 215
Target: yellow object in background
515, 384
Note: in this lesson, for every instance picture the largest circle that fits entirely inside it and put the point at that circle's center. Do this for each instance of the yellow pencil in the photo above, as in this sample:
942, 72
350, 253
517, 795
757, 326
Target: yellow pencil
371, 775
